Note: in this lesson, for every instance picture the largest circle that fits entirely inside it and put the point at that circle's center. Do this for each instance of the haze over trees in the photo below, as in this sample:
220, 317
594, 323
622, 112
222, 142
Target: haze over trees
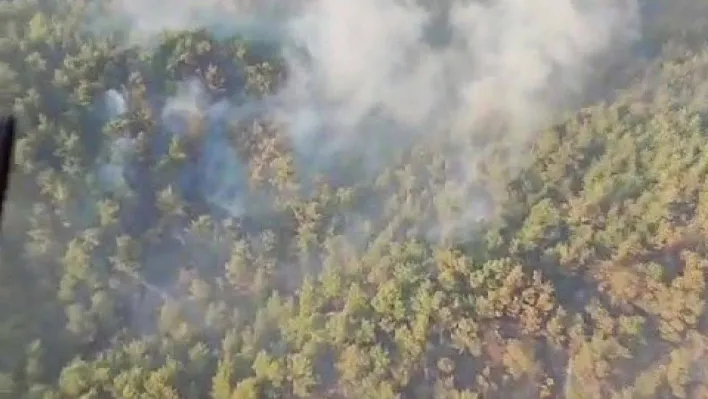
175, 229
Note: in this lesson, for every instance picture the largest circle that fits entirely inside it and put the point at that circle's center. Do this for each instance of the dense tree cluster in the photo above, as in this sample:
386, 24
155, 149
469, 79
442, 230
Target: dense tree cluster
588, 282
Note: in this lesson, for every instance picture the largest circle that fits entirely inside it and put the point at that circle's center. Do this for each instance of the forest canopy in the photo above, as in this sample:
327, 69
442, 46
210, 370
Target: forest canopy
365, 199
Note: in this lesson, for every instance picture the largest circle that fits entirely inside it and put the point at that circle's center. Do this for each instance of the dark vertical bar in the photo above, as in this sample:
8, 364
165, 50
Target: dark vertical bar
7, 142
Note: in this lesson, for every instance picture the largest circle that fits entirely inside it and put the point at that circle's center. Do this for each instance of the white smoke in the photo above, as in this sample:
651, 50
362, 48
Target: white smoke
522, 58
118, 150
116, 105
373, 76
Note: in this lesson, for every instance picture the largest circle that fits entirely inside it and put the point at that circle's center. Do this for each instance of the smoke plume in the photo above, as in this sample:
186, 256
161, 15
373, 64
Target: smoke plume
371, 78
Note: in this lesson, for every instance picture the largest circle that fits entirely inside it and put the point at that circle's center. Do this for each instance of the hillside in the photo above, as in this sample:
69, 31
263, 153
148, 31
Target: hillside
167, 237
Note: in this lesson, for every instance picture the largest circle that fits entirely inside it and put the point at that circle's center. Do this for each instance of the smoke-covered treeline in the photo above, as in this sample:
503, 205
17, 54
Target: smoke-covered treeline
366, 199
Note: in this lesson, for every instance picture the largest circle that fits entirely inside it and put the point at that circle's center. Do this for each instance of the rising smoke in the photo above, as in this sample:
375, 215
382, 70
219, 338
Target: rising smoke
371, 78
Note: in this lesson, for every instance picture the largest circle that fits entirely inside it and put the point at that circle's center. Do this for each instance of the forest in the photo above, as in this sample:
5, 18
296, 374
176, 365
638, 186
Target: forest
201, 210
